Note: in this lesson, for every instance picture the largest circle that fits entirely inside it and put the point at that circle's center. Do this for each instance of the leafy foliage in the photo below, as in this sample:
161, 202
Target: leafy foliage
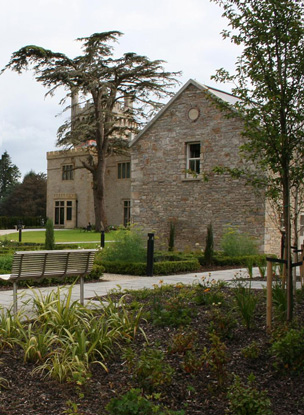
269, 82
246, 302
288, 350
27, 198
235, 243
149, 368
129, 246
247, 399
134, 403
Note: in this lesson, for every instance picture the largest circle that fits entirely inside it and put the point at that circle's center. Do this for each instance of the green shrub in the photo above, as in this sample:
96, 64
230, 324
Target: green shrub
134, 403
252, 351
160, 256
159, 268
208, 293
96, 273
288, 350
246, 302
174, 313
242, 260
49, 235
167, 267
279, 300
149, 369
129, 246
171, 237
235, 243
246, 399
222, 322
125, 268
6, 263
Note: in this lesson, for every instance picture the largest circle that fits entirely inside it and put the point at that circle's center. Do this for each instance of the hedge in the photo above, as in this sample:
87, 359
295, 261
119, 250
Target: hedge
159, 268
219, 260
172, 256
9, 222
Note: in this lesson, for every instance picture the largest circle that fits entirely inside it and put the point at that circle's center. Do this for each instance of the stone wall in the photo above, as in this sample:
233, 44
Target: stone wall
162, 193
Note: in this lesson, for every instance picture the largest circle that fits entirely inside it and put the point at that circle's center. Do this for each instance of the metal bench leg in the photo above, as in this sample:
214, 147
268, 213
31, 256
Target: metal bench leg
15, 297
82, 290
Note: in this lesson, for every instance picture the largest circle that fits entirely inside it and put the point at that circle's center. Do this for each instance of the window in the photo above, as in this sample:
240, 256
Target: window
63, 211
68, 172
127, 212
69, 210
193, 159
124, 170
59, 212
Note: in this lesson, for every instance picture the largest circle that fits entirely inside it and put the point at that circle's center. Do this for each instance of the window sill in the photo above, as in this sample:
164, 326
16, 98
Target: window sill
191, 179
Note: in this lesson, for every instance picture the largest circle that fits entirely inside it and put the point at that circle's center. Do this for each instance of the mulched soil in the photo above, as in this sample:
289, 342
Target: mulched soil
196, 390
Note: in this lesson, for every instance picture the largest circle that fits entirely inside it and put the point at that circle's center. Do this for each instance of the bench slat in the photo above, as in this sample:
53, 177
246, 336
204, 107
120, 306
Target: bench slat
37, 264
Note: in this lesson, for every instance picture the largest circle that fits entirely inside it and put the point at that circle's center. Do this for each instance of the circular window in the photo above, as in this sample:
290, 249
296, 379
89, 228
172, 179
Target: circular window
193, 114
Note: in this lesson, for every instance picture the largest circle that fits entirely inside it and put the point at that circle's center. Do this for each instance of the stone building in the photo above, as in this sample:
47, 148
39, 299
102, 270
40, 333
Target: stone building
170, 161
163, 181
70, 201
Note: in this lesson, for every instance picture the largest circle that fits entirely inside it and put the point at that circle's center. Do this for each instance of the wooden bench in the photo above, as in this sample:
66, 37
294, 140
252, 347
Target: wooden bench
28, 265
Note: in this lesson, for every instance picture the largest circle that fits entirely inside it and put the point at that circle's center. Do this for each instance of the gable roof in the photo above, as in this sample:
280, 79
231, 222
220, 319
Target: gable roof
224, 96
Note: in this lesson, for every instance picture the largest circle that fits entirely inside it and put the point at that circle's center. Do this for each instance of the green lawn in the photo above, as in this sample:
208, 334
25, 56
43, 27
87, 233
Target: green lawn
70, 235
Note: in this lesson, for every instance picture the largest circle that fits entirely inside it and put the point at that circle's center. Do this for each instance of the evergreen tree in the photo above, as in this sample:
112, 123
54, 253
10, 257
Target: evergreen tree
27, 198
208, 254
9, 175
49, 235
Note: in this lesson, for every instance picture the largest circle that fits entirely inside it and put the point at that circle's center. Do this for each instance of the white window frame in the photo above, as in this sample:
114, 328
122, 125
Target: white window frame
190, 173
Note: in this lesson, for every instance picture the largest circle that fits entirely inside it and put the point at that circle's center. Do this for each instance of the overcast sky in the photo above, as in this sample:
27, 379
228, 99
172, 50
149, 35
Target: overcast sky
186, 34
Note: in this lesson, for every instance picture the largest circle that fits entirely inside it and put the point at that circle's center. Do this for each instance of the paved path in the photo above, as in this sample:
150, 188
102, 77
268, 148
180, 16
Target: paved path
110, 282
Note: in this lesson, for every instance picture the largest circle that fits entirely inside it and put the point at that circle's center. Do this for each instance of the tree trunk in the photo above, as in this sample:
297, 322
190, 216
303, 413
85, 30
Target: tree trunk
287, 256
295, 238
99, 195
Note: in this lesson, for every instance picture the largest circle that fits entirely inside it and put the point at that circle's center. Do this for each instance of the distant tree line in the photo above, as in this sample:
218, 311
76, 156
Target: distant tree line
26, 198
